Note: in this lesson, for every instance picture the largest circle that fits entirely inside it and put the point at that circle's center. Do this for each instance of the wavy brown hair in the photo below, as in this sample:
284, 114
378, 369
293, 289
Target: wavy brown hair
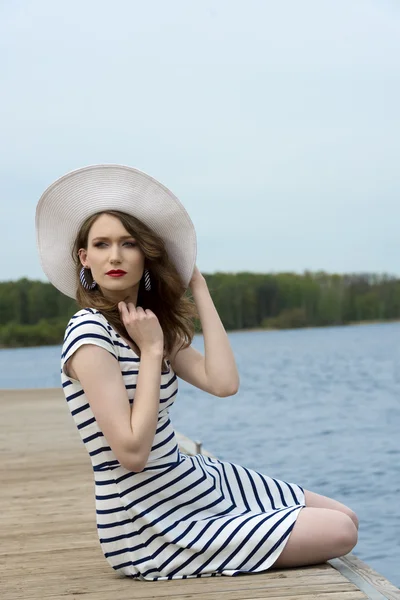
167, 298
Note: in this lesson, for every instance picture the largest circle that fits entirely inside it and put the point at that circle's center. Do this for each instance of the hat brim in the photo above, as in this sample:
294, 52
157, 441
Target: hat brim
71, 199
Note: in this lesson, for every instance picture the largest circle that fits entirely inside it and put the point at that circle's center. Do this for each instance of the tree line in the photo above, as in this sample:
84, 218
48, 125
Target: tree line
34, 313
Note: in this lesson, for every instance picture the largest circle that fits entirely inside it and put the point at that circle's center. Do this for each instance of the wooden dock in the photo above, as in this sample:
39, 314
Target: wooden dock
48, 541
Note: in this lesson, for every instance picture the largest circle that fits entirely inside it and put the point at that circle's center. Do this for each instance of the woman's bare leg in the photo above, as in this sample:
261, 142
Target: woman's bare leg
314, 500
318, 535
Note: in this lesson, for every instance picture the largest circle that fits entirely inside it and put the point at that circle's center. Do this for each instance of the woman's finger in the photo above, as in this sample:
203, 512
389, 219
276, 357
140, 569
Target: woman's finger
123, 311
122, 308
131, 307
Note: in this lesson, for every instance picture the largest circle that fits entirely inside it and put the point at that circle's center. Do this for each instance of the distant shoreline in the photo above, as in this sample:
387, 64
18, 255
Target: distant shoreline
248, 330
350, 324
265, 302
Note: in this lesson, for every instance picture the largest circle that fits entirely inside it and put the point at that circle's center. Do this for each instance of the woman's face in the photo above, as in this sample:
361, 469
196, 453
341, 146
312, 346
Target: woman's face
114, 257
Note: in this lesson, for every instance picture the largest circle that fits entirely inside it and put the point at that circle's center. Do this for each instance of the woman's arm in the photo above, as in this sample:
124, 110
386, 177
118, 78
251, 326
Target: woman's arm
129, 430
216, 371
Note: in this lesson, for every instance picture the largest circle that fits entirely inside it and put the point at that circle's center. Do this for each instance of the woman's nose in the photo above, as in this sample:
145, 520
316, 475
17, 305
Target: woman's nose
115, 253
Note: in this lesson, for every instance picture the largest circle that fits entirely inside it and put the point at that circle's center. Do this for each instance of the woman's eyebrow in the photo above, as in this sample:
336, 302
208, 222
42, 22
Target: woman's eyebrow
104, 237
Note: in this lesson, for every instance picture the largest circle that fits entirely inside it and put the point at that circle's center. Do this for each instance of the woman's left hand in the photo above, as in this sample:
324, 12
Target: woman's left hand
196, 277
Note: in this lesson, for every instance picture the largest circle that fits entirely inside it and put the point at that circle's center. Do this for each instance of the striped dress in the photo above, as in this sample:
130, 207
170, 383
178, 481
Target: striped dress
182, 516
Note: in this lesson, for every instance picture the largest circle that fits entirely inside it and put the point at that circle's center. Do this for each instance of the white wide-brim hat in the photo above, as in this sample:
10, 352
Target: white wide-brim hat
71, 199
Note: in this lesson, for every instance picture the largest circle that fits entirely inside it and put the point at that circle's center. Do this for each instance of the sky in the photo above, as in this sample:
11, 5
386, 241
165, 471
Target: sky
277, 124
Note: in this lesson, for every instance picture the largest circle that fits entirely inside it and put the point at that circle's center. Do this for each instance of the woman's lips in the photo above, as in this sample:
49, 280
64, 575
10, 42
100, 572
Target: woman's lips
116, 273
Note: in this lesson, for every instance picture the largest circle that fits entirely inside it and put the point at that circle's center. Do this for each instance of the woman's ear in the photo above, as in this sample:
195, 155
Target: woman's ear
82, 253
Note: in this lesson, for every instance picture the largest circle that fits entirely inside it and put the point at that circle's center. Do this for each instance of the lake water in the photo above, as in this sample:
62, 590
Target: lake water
320, 407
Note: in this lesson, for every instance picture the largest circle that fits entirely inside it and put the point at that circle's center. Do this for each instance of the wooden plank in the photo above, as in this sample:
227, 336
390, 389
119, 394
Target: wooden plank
376, 586
73, 571
86, 585
49, 547
132, 594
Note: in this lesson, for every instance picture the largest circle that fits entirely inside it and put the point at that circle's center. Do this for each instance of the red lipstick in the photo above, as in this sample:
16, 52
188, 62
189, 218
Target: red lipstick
116, 273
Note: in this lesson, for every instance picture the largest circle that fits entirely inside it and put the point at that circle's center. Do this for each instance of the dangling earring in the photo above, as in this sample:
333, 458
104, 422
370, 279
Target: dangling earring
85, 284
147, 282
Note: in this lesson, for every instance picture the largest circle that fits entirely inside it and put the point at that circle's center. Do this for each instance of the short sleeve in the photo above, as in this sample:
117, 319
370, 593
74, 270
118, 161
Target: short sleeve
86, 328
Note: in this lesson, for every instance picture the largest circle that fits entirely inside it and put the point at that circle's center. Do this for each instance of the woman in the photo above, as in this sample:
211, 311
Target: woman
124, 246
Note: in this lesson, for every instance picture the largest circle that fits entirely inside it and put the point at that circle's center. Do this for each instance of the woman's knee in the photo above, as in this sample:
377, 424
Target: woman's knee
354, 518
340, 533
318, 535
346, 534
314, 500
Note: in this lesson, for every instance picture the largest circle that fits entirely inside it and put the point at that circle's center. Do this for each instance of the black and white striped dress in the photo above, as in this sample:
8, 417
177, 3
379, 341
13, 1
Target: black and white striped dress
182, 516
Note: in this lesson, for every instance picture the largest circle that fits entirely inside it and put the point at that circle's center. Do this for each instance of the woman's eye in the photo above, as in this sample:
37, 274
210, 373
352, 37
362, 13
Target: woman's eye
102, 244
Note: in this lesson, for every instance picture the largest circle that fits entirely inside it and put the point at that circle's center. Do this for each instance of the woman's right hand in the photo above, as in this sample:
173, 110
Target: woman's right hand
143, 327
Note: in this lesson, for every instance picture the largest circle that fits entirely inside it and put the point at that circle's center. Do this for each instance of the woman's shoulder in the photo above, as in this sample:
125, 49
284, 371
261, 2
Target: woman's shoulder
88, 326
87, 314
87, 320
